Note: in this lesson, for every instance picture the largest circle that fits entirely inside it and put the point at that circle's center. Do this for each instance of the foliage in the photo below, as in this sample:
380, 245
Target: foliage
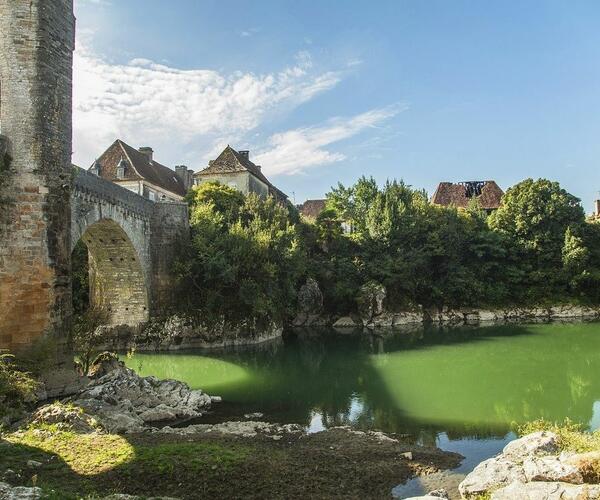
80, 278
571, 436
536, 248
242, 267
17, 386
87, 335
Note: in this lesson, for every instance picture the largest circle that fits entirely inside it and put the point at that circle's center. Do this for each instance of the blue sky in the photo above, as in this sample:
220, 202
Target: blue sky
325, 91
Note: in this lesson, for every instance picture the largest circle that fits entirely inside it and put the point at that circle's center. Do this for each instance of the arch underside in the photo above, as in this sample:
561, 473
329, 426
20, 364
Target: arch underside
117, 281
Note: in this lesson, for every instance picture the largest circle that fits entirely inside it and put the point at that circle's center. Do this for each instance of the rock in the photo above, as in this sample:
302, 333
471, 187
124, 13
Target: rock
407, 318
408, 455
250, 416
585, 463
8, 492
216, 399
487, 315
370, 301
34, 464
160, 413
346, 322
537, 444
247, 429
310, 298
551, 469
432, 495
10, 475
489, 475
539, 490
441, 493
125, 402
383, 320
66, 417
103, 364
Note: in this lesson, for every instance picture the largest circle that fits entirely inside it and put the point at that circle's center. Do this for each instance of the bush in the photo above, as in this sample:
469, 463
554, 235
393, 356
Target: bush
17, 387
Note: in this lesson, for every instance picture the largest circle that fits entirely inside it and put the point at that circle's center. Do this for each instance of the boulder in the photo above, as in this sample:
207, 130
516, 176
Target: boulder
8, 492
370, 300
538, 490
551, 469
585, 463
489, 315
310, 298
383, 320
536, 444
490, 475
346, 322
66, 417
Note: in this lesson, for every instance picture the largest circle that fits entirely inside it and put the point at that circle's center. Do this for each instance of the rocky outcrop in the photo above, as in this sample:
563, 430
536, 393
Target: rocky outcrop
370, 301
8, 492
530, 468
120, 401
310, 306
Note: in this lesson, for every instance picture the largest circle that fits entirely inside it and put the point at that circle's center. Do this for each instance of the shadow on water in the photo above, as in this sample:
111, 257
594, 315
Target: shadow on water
455, 387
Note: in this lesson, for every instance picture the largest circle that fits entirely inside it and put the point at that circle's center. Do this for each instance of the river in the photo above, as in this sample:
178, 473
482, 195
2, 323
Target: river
462, 389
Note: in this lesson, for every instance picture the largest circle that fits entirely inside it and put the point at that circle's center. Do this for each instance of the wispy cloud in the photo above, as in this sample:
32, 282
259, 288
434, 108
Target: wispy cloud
146, 102
298, 150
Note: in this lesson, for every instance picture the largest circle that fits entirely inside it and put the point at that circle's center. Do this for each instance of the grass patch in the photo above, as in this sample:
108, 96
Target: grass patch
571, 436
99, 464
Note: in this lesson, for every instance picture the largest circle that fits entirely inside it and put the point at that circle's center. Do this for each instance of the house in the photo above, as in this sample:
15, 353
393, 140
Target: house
459, 194
136, 170
311, 208
234, 168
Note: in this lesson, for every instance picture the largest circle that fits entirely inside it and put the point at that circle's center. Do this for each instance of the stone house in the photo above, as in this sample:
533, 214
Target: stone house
136, 170
234, 168
460, 194
311, 208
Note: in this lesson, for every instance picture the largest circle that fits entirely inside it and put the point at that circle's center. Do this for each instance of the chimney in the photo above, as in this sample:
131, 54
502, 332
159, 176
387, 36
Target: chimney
597, 208
245, 153
147, 150
185, 175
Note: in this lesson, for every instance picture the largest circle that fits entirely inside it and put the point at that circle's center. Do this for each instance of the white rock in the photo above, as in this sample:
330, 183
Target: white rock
8, 492
537, 444
551, 469
539, 490
490, 475
407, 318
346, 322
161, 413
34, 464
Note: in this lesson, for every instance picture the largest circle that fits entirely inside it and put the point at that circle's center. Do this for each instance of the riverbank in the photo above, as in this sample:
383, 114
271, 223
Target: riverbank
111, 438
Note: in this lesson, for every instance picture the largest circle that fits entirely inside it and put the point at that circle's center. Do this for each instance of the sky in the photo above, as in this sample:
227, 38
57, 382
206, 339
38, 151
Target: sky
324, 91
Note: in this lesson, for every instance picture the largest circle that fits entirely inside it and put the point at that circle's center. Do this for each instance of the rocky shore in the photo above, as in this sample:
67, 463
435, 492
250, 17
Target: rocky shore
123, 437
531, 468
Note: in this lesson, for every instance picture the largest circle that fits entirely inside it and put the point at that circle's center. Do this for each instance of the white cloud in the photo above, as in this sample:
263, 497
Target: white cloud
297, 150
166, 107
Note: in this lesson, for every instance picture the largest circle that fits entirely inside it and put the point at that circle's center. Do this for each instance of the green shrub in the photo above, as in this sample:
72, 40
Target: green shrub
17, 387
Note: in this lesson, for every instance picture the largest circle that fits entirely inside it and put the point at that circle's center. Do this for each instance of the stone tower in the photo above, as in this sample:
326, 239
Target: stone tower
36, 60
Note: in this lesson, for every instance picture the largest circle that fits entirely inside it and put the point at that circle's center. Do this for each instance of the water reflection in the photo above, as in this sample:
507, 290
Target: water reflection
456, 387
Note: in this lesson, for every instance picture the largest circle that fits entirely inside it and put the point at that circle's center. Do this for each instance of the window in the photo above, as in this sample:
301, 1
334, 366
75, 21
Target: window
151, 195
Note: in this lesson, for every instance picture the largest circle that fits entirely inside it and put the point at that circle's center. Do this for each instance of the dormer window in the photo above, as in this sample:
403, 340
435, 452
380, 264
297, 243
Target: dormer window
121, 169
96, 168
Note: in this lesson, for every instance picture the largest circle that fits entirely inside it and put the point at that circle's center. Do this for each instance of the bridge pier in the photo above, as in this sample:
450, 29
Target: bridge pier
36, 56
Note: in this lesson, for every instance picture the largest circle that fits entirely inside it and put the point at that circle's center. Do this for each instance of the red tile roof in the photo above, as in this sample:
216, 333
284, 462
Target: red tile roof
488, 193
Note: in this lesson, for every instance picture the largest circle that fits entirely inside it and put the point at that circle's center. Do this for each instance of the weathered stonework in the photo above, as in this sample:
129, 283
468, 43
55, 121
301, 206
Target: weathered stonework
132, 243
36, 54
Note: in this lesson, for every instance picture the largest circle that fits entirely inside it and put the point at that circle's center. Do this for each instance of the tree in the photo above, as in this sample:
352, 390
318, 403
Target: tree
87, 336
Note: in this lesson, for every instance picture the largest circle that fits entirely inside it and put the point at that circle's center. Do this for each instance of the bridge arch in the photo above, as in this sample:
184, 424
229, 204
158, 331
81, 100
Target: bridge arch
117, 281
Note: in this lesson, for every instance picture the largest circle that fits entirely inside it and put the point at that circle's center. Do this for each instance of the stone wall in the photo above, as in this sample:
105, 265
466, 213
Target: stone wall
132, 244
36, 52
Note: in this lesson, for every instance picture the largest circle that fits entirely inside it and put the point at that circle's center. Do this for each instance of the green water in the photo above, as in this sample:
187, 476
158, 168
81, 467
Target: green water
461, 388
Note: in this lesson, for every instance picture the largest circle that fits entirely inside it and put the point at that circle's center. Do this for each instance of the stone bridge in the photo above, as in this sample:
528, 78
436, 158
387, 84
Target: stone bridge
46, 208
131, 244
